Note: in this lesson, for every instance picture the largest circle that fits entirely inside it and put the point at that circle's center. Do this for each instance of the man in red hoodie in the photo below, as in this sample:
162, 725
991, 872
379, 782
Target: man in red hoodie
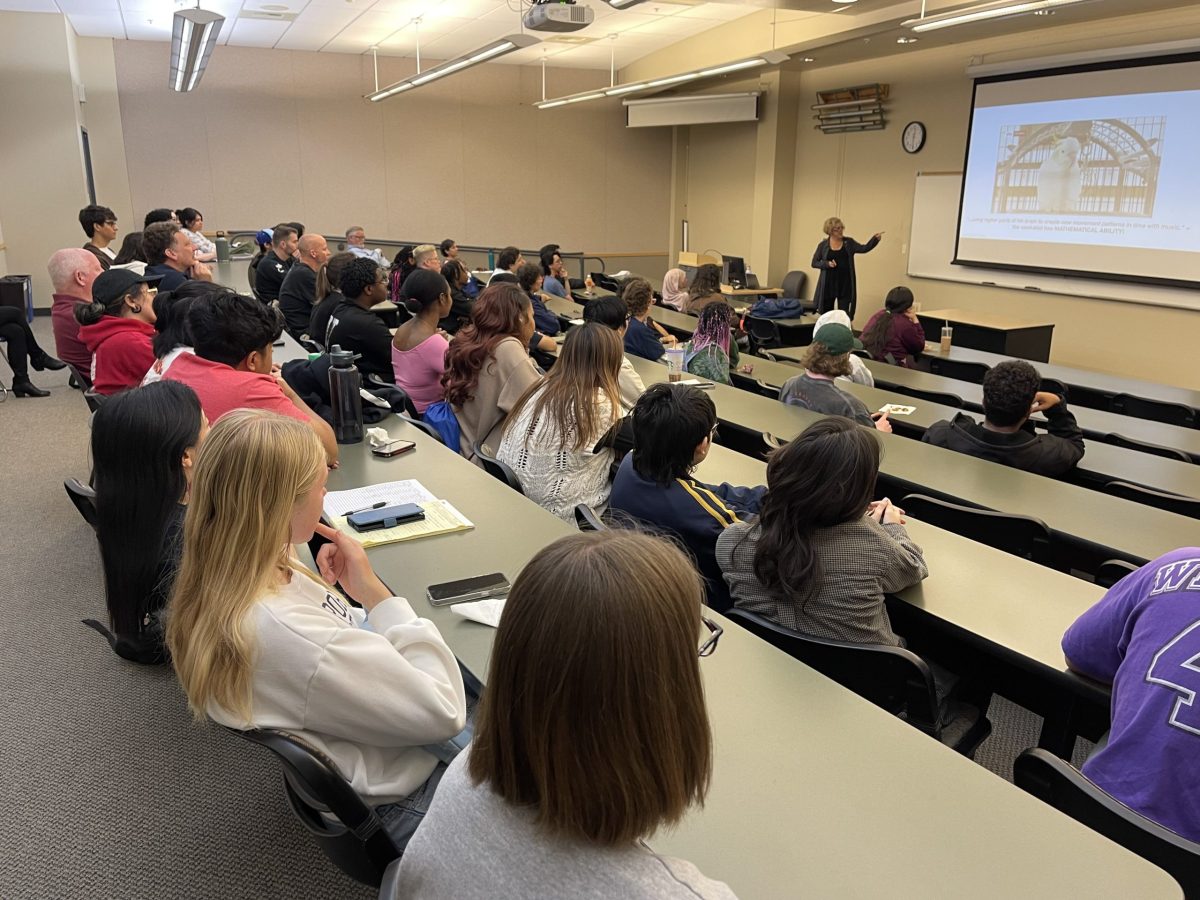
118, 327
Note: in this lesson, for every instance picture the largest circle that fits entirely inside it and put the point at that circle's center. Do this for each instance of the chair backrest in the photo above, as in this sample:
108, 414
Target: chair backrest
427, 428
891, 677
356, 842
393, 393
935, 396
93, 399
252, 279
1120, 440
793, 284
755, 385
83, 379
954, 368
84, 499
1155, 410
1176, 503
1064, 787
586, 519
1111, 571
1020, 535
497, 469
764, 333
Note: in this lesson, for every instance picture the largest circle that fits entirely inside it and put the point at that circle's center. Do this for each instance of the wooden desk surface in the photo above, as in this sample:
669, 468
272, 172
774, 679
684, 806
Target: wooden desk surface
729, 291
858, 802
984, 319
1109, 523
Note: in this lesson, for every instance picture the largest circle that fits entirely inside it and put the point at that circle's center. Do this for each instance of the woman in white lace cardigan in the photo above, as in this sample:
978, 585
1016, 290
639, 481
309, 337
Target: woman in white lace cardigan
558, 436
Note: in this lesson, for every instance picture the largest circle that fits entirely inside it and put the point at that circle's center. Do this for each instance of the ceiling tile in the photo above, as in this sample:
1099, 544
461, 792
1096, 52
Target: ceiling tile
100, 7
334, 17
309, 38
256, 33
99, 25
30, 6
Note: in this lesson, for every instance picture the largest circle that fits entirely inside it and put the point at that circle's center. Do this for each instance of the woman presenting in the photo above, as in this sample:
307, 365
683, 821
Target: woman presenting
835, 259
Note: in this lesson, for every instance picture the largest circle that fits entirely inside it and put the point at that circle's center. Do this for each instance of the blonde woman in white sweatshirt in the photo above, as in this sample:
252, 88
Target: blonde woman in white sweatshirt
258, 641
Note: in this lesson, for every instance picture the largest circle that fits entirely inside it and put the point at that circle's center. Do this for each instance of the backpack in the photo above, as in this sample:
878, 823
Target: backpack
781, 308
441, 416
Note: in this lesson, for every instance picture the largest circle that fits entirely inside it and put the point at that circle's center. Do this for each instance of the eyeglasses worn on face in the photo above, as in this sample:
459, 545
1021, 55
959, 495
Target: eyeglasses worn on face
714, 634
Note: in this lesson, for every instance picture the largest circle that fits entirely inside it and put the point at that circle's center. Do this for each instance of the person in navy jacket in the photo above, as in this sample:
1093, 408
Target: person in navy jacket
673, 427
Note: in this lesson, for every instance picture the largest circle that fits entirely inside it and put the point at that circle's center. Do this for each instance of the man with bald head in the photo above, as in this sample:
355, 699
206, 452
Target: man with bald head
298, 292
72, 272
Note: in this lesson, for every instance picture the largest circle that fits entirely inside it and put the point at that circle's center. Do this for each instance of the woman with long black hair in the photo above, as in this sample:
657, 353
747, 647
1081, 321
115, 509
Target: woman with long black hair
144, 443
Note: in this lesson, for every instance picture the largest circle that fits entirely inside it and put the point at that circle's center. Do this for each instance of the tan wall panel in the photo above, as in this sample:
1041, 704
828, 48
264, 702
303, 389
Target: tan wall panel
720, 197
102, 117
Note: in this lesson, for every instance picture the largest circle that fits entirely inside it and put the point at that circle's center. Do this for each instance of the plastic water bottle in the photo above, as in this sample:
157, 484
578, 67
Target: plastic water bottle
344, 384
224, 252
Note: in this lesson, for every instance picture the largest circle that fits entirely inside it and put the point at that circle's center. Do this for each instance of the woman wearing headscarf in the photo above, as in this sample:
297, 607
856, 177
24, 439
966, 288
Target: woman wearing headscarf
674, 289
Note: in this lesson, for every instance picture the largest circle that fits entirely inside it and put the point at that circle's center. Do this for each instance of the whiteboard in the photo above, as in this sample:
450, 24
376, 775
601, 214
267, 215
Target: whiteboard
931, 248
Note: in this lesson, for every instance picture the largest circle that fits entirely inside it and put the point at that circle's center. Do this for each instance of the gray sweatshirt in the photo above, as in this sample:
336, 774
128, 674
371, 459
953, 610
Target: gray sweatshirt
475, 846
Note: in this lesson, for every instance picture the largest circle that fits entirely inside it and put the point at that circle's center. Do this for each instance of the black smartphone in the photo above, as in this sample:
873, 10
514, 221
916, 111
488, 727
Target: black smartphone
388, 517
392, 448
481, 587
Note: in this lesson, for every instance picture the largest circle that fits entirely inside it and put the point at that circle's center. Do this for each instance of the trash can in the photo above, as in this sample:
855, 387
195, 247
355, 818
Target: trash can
17, 291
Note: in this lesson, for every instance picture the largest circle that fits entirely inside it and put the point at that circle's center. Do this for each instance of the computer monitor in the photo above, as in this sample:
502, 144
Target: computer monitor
733, 271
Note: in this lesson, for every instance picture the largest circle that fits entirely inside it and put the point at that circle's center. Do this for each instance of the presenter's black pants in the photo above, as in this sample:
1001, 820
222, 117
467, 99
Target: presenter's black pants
826, 303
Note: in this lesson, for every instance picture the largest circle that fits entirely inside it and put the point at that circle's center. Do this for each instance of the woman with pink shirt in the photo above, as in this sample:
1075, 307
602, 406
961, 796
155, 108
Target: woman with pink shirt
419, 348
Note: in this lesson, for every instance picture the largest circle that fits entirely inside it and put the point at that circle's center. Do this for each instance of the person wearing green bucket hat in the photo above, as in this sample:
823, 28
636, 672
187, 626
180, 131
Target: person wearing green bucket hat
828, 357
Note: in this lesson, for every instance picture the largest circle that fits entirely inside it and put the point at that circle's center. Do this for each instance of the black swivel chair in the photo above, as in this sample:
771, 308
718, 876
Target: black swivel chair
1064, 787
1155, 410
1176, 503
1119, 440
1111, 571
944, 399
953, 368
793, 288
754, 385
1022, 536
84, 499
93, 399
355, 840
764, 334
497, 469
586, 519
893, 678
79, 379
252, 280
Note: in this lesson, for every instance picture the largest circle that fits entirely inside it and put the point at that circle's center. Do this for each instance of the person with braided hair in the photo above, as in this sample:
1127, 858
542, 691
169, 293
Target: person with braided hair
711, 352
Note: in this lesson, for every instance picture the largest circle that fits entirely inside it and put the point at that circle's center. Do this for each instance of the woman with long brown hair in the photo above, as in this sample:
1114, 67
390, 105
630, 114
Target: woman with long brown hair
257, 640
553, 434
591, 736
488, 366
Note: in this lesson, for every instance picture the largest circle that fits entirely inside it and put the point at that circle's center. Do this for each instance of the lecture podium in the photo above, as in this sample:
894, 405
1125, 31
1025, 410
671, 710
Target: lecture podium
990, 331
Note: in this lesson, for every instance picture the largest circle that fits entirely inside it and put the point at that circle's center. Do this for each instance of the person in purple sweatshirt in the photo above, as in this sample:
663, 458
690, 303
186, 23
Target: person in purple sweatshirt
894, 334
1143, 637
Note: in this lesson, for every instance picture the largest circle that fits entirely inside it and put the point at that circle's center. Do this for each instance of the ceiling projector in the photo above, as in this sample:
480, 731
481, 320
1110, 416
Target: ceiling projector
557, 16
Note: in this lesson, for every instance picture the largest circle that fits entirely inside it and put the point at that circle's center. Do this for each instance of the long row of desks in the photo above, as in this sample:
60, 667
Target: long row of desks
814, 789
1100, 526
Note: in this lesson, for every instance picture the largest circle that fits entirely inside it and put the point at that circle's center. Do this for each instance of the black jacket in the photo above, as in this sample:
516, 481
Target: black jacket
1053, 454
269, 273
297, 295
353, 328
460, 311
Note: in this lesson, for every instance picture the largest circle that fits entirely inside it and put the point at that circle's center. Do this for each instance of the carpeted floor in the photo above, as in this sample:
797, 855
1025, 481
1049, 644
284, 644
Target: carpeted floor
110, 789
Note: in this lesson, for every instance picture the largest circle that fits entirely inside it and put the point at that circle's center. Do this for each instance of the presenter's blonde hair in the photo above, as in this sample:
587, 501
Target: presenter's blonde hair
831, 223
249, 475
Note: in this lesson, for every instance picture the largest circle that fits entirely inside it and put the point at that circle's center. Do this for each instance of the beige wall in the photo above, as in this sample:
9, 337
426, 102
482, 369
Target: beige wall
102, 116
42, 184
276, 135
719, 198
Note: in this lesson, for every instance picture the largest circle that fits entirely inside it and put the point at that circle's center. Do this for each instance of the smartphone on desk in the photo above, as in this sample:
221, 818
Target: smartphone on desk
392, 448
388, 517
481, 587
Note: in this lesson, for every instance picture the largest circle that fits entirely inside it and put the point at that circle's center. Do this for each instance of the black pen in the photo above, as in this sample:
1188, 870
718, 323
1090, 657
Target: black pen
354, 512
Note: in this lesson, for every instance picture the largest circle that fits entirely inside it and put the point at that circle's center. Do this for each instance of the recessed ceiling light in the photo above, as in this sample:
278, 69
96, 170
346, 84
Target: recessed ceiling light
808, 59
906, 40
845, 1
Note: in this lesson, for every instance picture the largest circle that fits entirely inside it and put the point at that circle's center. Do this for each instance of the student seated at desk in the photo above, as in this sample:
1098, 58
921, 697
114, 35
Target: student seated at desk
233, 337
118, 328
461, 302
643, 337
894, 334
1010, 396
555, 434
673, 426
172, 336
353, 326
859, 373
418, 347
257, 640
144, 445
592, 735
488, 366
821, 556
610, 311
674, 290
704, 289
827, 358
711, 353
329, 295
1142, 638
529, 276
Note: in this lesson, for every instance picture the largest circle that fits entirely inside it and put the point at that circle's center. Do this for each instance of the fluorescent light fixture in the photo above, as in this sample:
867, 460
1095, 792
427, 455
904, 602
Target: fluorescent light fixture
623, 4
193, 35
770, 58
982, 12
483, 54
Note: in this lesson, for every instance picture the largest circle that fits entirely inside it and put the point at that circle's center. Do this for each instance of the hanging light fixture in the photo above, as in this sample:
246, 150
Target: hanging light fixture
194, 33
483, 54
983, 11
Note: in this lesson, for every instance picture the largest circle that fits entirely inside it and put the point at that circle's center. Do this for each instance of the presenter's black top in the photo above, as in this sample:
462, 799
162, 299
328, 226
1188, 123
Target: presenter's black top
268, 275
839, 281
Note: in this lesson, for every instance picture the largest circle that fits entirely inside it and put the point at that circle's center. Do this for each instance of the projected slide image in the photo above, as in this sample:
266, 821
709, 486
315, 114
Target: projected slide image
1096, 167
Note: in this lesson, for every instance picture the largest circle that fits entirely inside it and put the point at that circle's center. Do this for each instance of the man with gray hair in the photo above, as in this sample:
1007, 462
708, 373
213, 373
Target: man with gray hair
72, 272
356, 243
